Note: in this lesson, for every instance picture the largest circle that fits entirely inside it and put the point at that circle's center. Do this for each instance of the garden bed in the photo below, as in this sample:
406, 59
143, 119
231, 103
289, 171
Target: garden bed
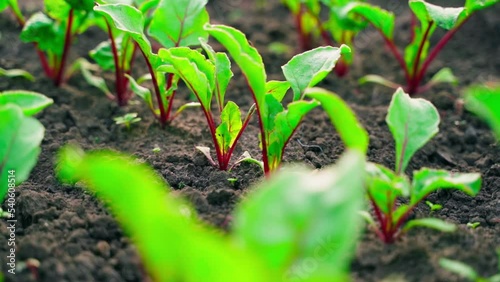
75, 239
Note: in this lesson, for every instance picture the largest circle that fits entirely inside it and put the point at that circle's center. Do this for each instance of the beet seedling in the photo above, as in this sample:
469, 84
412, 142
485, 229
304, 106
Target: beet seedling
21, 136
295, 217
418, 55
412, 122
209, 78
53, 32
276, 123
174, 23
14, 7
127, 120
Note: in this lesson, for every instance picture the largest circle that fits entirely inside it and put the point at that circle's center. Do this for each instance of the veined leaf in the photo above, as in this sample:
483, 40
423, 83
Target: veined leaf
484, 101
230, 126
247, 58
287, 219
309, 68
429, 180
381, 19
178, 23
19, 145
342, 117
413, 122
194, 69
169, 237
30, 102
443, 17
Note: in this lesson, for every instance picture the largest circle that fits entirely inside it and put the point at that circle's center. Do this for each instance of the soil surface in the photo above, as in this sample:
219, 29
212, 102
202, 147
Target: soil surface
73, 238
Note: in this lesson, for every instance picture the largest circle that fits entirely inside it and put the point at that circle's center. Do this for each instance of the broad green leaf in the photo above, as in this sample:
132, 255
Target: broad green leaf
179, 23
223, 73
30, 102
57, 9
194, 69
426, 181
459, 268
298, 216
285, 124
278, 89
445, 18
433, 223
45, 32
373, 78
309, 68
444, 75
17, 73
230, 126
484, 101
342, 117
19, 145
129, 20
381, 19
413, 122
247, 58
170, 239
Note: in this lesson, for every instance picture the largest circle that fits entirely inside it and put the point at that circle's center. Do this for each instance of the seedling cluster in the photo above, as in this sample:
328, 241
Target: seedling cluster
294, 210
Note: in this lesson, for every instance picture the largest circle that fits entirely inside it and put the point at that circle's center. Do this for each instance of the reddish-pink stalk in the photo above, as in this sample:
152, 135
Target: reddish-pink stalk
119, 76
304, 39
227, 156
415, 83
170, 80
437, 49
43, 61
397, 55
67, 44
163, 117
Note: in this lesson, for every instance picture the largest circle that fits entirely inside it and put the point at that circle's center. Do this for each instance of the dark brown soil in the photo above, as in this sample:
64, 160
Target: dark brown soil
74, 238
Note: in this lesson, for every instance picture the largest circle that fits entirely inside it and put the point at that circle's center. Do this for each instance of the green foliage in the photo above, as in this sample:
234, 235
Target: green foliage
413, 122
127, 120
17, 73
21, 135
467, 272
279, 228
484, 101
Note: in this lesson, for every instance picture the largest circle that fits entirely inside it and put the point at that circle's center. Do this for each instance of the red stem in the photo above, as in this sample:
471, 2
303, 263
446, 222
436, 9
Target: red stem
43, 60
170, 80
397, 55
67, 43
304, 39
163, 117
119, 78
415, 83
435, 51
227, 156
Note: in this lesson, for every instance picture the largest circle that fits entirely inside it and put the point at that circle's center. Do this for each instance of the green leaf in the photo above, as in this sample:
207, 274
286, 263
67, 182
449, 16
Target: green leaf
223, 73
285, 123
57, 9
140, 91
433, 223
247, 58
172, 242
381, 19
459, 268
342, 117
30, 102
179, 23
17, 73
426, 181
277, 89
413, 122
45, 32
194, 69
477, 5
103, 55
309, 68
84, 5
297, 217
4, 4
445, 18
19, 145
484, 101
444, 75
230, 126
384, 186
129, 20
